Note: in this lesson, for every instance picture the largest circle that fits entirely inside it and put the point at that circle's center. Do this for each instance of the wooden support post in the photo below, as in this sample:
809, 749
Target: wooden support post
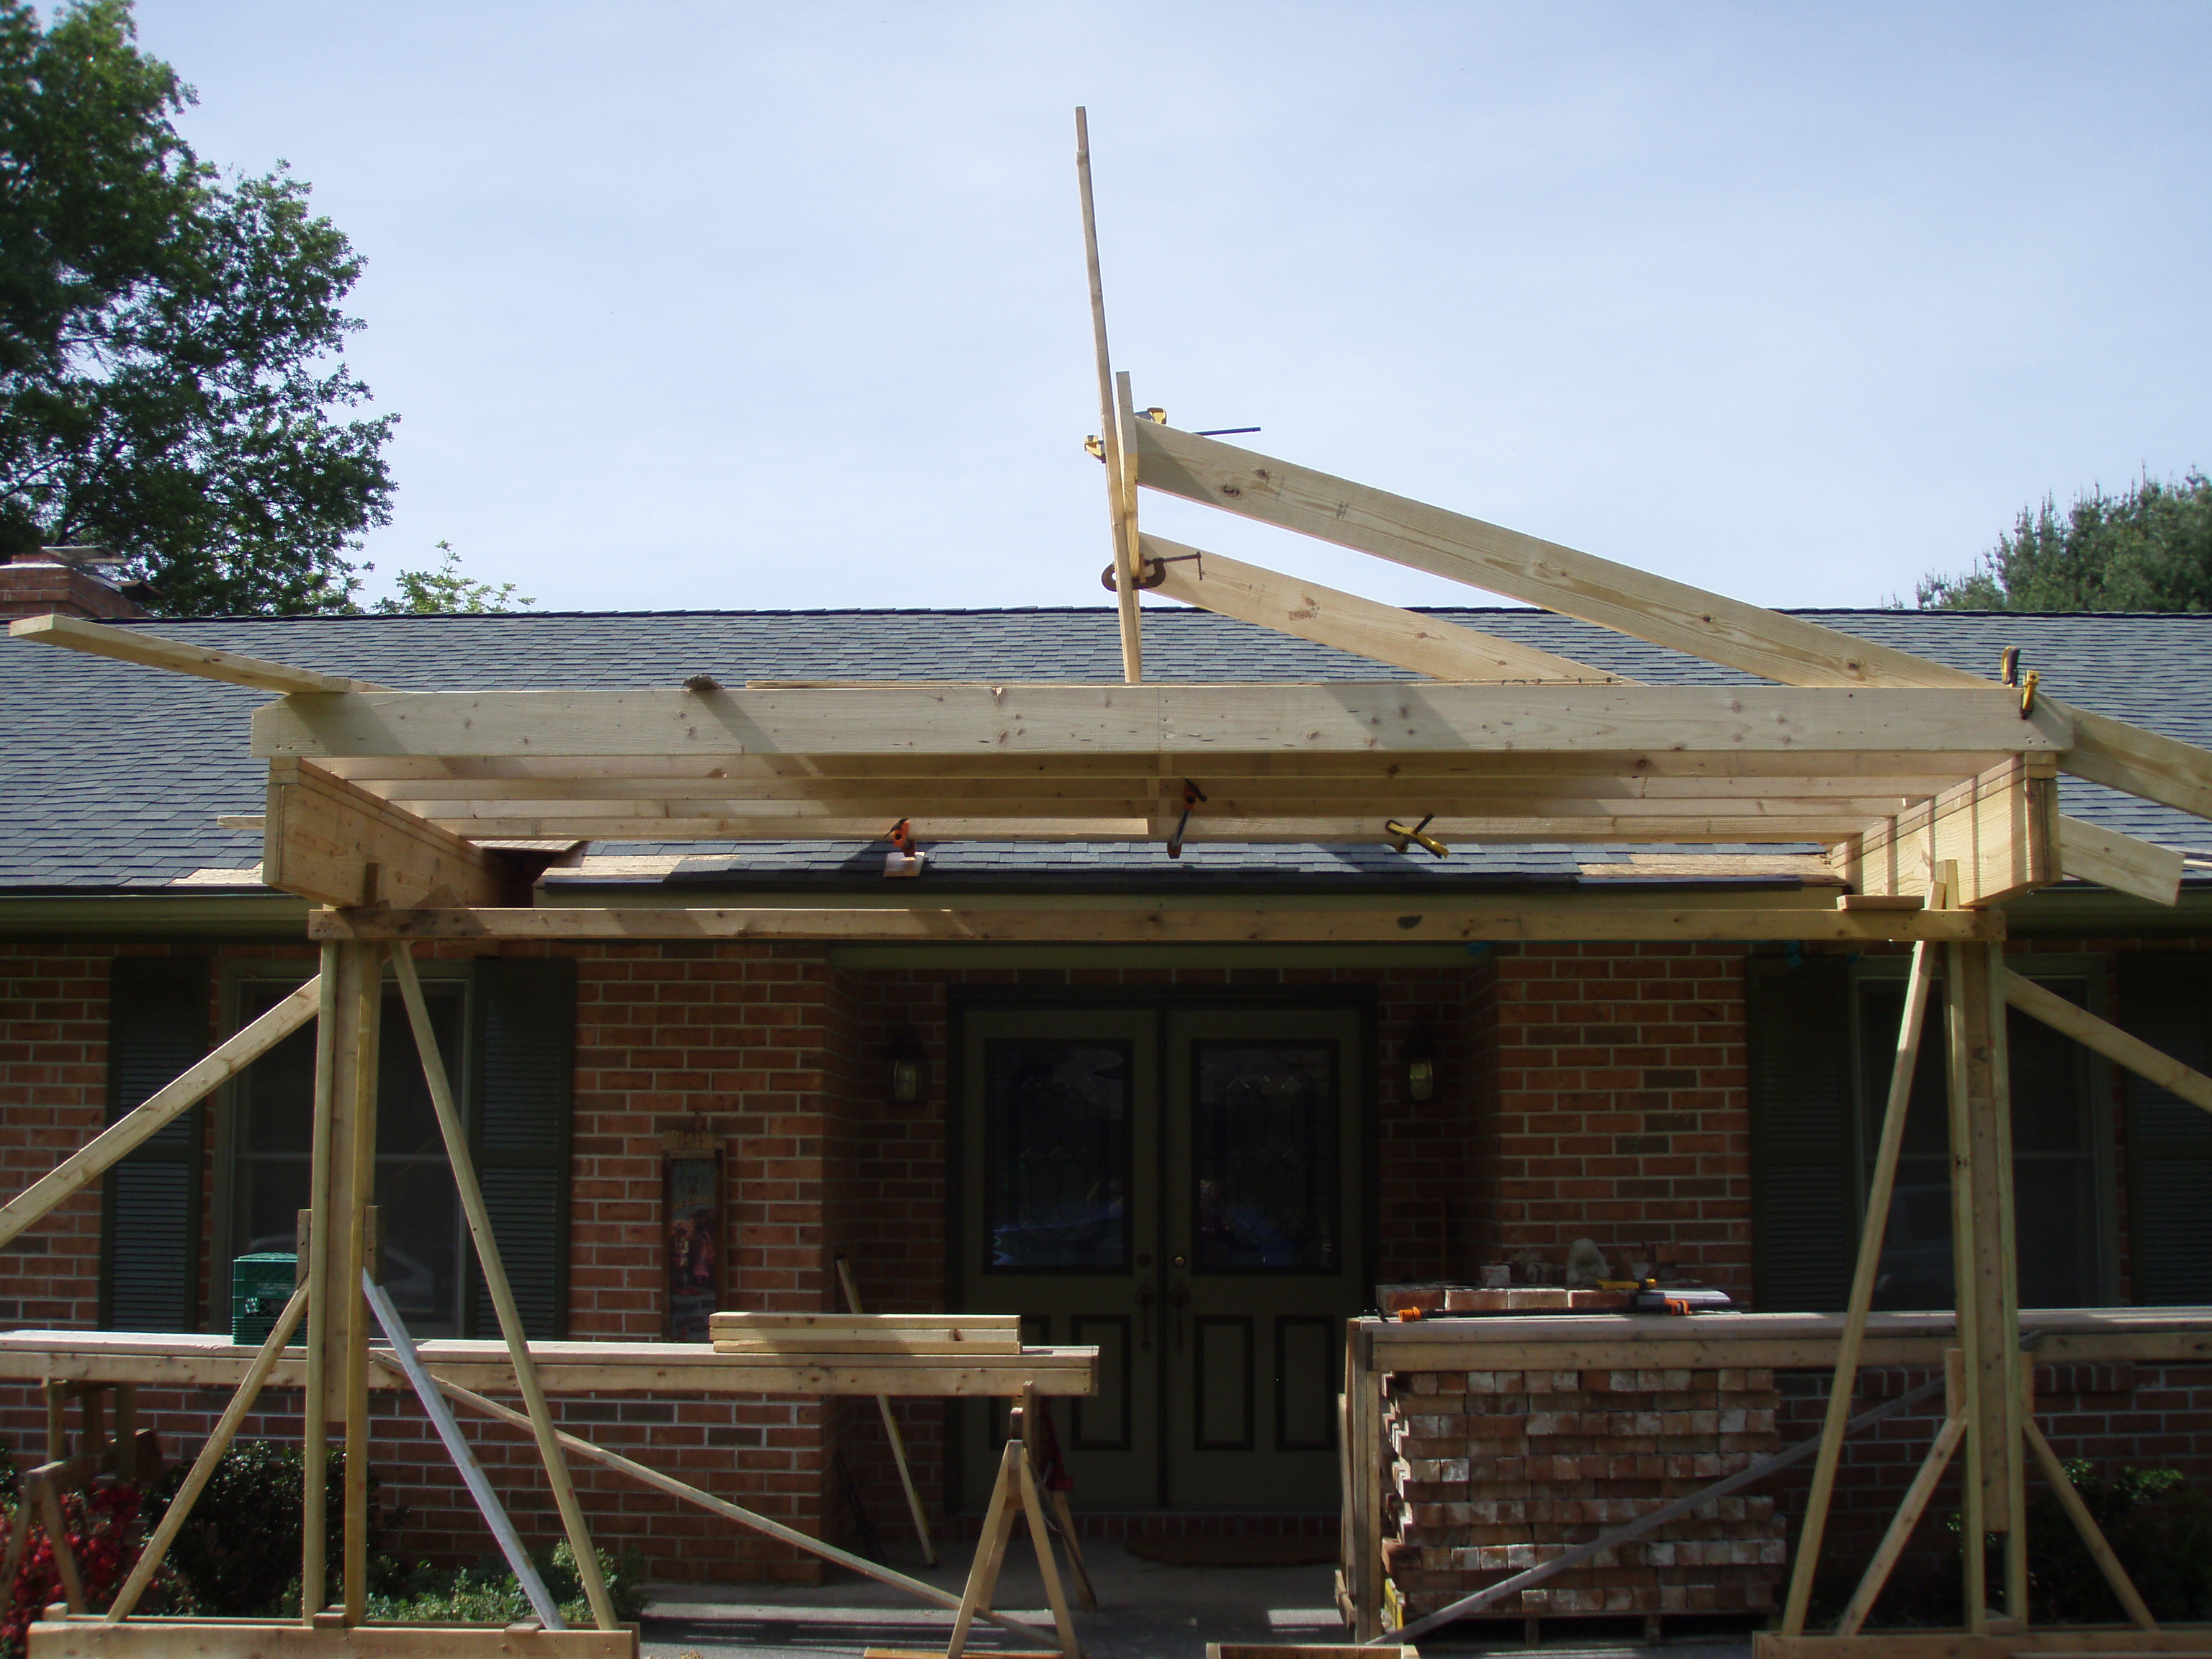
203, 1466
57, 1422
1984, 1265
1363, 1394
1040, 1534
126, 1433
50, 1511
502, 1294
314, 1519
1906, 1065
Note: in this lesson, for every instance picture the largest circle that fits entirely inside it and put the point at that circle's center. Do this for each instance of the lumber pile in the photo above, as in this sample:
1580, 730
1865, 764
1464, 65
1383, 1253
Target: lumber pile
919, 1336
1494, 1472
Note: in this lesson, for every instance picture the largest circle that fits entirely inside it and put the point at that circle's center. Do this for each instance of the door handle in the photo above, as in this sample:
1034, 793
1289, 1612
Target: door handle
1147, 1299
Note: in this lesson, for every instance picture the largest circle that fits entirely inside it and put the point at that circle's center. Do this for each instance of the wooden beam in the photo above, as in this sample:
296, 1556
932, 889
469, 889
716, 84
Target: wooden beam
291, 1638
119, 1140
2091, 852
132, 645
1404, 639
2001, 827
2108, 1040
1719, 629
1368, 718
1120, 485
1524, 567
1413, 922
329, 840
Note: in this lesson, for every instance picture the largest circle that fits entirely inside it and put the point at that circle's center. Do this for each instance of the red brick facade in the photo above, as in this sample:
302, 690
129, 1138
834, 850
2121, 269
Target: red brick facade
1585, 1091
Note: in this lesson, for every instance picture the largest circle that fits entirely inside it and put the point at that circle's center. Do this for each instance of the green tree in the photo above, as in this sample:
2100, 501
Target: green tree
445, 592
2149, 549
171, 385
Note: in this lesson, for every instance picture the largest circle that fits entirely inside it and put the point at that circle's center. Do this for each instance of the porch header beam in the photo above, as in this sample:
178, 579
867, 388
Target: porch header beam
1407, 923
1368, 718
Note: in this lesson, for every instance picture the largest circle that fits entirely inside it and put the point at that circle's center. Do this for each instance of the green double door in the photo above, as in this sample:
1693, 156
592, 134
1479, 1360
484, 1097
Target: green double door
1183, 1190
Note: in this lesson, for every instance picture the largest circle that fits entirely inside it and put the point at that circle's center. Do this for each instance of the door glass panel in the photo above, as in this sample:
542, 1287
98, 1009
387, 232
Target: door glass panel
1264, 1137
1057, 1156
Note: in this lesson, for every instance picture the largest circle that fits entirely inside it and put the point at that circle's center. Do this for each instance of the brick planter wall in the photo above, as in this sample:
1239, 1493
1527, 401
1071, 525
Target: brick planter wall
1495, 1471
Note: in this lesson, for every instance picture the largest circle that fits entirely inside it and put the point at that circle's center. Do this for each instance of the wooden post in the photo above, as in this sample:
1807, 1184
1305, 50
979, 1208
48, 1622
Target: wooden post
1907, 1064
1984, 1265
501, 1294
342, 1181
1365, 1391
1121, 491
315, 1428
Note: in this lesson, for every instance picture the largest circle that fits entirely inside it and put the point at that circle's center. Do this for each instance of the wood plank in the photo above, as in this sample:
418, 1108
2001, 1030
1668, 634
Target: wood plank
288, 1638
2001, 827
331, 840
1521, 567
1368, 718
2123, 863
1327, 616
134, 645
1431, 922
2082, 1640
212, 1361
1786, 648
2108, 1040
87, 1164
1120, 487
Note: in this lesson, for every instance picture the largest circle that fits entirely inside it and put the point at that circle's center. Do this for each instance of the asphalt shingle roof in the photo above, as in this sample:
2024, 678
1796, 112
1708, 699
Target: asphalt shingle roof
111, 775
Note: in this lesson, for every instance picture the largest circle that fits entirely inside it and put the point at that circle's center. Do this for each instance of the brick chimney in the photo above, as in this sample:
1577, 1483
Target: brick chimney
73, 581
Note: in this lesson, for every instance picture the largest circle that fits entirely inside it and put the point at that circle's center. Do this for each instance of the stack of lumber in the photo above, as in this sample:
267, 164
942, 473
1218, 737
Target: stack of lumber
1494, 1472
918, 1336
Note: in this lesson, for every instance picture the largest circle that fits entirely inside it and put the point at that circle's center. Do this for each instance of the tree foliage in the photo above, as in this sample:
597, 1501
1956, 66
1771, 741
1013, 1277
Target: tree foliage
171, 383
445, 592
2149, 548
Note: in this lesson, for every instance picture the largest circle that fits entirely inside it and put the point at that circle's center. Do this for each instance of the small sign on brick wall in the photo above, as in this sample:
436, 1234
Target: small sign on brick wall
692, 1233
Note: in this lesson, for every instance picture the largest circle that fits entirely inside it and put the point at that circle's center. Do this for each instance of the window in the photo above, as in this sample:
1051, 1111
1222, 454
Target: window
506, 1030
149, 1224
1822, 1039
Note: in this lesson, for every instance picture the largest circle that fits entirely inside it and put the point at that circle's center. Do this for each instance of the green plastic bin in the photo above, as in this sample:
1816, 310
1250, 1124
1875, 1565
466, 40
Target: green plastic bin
260, 1285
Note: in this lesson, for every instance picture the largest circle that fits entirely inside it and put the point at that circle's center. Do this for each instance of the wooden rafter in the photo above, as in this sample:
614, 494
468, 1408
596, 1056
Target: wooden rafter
1113, 429
133, 645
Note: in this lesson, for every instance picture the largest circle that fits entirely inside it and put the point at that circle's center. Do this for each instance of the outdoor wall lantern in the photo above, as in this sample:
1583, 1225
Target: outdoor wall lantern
1420, 1064
909, 1073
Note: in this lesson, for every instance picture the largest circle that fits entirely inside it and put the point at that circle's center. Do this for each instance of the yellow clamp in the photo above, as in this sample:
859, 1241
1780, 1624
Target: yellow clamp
2027, 693
1403, 834
1096, 446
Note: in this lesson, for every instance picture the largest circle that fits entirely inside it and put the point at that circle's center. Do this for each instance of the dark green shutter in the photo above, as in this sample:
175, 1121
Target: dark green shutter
522, 1078
2166, 1000
1804, 1200
149, 1226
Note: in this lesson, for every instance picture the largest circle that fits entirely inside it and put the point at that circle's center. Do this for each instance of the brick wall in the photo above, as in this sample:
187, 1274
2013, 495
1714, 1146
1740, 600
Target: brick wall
1583, 1090
1613, 1104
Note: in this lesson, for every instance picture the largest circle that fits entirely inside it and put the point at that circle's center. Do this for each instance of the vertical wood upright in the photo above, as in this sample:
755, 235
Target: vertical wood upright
1984, 1267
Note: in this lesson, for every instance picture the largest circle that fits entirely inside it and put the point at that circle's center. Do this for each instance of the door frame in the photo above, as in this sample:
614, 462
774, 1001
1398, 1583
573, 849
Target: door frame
1358, 998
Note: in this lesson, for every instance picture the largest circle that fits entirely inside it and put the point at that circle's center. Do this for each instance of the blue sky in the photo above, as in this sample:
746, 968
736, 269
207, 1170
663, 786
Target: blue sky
731, 305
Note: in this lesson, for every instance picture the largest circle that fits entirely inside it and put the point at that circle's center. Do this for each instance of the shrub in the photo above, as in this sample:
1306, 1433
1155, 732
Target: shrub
100, 1537
2159, 1526
238, 1553
490, 1591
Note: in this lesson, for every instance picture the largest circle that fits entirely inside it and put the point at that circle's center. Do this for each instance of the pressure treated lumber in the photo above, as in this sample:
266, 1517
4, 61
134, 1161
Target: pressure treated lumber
203, 1470
1521, 567
135, 644
333, 841
2108, 1040
1373, 717
1429, 923
1904, 1067
1427, 645
2124, 863
212, 1361
463, 1166
325, 1638
922, 1335
691, 1494
1120, 487
87, 1164
2000, 828
1727, 631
